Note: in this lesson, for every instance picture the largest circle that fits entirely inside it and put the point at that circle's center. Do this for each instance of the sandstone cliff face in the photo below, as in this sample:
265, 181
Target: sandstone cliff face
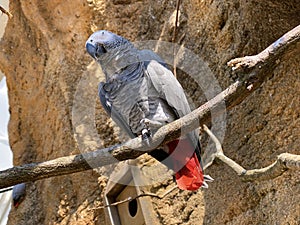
43, 57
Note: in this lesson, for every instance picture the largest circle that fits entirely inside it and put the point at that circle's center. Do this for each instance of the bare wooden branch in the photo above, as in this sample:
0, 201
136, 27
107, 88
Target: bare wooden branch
175, 34
253, 76
220, 154
270, 53
147, 194
6, 12
284, 162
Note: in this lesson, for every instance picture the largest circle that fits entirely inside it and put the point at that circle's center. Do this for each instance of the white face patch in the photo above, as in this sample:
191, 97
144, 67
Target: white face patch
107, 39
100, 37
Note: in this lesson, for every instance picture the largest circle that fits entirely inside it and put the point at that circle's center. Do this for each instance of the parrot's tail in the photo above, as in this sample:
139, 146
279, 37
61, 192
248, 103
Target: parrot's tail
189, 173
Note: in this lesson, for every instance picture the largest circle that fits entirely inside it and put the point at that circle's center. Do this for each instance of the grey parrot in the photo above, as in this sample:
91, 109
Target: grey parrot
141, 95
18, 194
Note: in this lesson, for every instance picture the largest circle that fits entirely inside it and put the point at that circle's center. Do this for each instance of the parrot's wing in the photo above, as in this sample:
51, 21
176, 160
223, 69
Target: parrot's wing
117, 117
168, 87
170, 90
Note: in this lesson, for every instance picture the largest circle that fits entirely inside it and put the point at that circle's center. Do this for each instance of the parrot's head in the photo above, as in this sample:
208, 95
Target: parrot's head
103, 42
112, 52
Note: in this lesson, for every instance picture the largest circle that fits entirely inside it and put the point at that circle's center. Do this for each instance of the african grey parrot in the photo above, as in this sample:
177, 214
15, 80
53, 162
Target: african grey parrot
18, 194
141, 94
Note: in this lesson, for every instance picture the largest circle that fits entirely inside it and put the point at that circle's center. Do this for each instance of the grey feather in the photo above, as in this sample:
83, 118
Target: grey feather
116, 116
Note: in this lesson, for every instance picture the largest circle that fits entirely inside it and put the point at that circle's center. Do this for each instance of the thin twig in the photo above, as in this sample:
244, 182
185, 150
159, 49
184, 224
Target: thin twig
174, 35
284, 162
181, 38
147, 194
6, 12
176, 20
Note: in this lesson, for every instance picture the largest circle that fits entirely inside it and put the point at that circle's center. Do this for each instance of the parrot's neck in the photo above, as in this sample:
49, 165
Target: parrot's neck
126, 74
121, 63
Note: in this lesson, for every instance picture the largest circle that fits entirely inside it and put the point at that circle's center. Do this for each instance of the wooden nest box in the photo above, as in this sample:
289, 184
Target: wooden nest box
138, 211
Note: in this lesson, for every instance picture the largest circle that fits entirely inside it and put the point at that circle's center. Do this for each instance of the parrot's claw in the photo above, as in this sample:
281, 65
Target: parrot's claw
204, 184
146, 136
207, 178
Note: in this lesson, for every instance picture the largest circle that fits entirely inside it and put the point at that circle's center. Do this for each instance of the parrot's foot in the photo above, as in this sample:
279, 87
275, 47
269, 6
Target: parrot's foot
146, 136
152, 123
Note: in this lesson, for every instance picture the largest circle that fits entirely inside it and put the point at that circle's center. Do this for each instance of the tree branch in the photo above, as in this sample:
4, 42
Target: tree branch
284, 162
6, 12
220, 154
253, 71
271, 53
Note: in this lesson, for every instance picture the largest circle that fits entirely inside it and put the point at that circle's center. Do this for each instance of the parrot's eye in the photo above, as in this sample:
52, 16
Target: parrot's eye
100, 49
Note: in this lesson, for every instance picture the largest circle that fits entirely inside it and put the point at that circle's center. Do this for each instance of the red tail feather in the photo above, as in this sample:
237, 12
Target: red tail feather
189, 175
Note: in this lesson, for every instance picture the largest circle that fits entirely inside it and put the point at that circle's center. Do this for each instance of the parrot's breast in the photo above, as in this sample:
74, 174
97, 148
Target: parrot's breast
137, 100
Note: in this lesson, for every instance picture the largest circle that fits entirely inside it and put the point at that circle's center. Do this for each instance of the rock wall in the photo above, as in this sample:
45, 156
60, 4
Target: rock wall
43, 57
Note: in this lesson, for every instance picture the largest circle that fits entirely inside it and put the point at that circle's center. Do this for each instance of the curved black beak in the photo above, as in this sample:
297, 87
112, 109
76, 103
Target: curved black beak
95, 50
91, 49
